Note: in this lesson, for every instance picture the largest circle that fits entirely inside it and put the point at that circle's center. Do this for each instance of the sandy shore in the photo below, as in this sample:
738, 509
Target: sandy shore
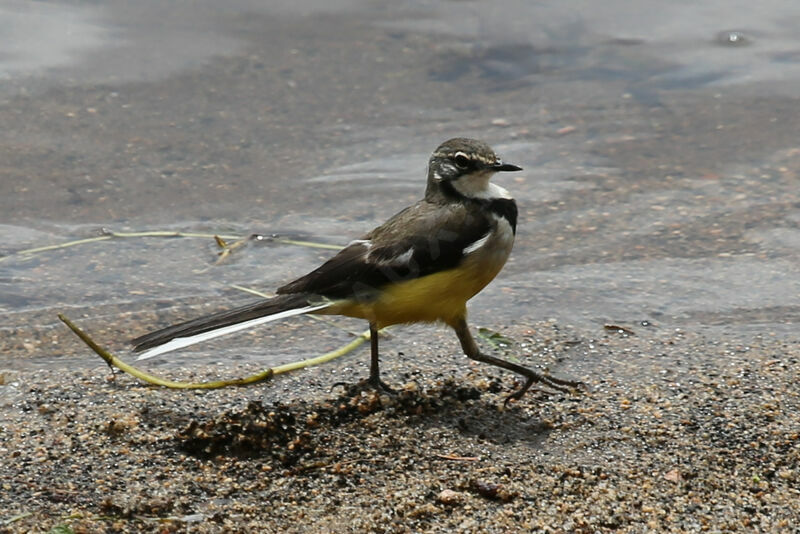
680, 432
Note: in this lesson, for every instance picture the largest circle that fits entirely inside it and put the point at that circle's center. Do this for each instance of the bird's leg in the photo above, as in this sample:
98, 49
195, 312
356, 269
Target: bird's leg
374, 365
374, 381
472, 351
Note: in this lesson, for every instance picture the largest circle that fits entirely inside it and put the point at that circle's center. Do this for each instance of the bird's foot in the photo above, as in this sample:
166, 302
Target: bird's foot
372, 383
558, 384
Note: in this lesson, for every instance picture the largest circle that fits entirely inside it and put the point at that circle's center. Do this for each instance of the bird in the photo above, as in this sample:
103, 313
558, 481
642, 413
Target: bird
421, 266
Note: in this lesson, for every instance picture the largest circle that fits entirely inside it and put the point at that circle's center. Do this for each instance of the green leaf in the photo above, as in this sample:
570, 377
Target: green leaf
495, 339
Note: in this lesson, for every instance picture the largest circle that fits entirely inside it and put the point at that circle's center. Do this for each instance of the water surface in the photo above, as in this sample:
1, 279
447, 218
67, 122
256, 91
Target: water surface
659, 144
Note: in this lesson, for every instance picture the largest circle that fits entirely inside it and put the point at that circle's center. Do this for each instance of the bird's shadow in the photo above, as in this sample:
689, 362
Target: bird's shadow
300, 430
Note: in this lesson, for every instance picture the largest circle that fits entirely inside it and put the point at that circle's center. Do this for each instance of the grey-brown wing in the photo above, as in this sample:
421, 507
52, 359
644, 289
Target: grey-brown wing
420, 240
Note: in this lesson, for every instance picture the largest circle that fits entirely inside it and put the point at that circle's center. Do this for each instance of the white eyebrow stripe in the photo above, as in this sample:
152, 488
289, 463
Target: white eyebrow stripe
475, 245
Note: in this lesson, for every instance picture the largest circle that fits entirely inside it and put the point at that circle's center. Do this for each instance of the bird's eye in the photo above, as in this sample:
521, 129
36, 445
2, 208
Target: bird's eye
462, 161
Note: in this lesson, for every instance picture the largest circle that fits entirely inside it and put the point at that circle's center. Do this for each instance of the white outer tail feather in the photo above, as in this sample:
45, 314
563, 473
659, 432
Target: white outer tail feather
181, 342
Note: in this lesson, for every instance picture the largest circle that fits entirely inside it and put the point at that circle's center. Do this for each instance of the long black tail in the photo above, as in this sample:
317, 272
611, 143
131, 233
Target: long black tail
210, 326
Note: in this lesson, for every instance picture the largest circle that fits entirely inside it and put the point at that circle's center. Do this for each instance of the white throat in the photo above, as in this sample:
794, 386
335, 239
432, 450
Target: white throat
477, 185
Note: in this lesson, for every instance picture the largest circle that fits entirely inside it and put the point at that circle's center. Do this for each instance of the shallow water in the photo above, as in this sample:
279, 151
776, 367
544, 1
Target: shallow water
659, 144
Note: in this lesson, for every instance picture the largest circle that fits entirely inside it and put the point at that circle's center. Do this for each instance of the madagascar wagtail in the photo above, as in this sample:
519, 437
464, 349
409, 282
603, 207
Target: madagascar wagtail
422, 265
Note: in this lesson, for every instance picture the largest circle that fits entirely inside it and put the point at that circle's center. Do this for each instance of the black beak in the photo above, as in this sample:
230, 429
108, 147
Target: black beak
507, 167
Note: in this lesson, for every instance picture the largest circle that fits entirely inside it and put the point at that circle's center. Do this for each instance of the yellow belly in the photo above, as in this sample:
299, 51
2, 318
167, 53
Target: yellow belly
440, 296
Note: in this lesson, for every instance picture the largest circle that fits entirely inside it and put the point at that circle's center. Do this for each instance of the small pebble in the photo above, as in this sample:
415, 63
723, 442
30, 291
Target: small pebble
450, 497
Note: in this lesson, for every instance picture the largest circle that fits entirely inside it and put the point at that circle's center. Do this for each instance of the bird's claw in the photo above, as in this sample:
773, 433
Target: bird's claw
558, 384
371, 383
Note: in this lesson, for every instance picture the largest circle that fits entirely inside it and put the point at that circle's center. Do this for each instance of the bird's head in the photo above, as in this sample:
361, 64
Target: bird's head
464, 166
